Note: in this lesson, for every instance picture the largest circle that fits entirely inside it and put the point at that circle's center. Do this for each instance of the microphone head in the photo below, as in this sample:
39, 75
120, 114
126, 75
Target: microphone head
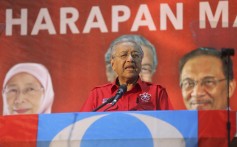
123, 88
227, 52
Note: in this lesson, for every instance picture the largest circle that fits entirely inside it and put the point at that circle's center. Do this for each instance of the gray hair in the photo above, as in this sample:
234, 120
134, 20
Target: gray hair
140, 40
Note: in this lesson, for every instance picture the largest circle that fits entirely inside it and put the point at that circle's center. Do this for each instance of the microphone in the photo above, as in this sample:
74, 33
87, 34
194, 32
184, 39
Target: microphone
122, 89
227, 52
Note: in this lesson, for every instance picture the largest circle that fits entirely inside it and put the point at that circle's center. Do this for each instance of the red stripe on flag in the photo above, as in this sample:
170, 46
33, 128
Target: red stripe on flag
212, 128
18, 130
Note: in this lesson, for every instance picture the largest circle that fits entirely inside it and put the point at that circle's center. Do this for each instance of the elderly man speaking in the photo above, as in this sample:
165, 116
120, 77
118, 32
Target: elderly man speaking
126, 61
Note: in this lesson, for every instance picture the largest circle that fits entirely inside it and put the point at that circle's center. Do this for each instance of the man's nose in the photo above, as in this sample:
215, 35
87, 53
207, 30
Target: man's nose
130, 58
198, 89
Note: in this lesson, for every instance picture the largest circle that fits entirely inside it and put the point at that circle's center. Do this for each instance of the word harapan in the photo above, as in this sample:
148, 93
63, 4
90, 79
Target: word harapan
119, 14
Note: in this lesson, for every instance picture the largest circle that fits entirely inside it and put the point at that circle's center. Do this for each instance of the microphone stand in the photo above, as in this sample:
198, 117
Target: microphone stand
122, 89
228, 101
227, 52
105, 103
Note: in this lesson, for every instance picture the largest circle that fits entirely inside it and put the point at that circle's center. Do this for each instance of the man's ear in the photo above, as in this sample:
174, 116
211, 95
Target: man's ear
232, 86
112, 63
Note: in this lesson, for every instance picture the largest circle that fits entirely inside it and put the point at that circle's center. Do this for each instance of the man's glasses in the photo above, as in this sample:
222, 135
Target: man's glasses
208, 83
134, 55
146, 69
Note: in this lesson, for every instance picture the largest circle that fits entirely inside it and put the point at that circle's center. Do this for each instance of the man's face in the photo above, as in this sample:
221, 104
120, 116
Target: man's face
204, 84
126, 61
110, 74
23, 93
147, 65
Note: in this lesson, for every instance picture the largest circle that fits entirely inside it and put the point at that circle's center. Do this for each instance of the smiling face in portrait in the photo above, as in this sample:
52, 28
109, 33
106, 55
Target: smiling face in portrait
126, 61
147, 70
23, 94
204, 85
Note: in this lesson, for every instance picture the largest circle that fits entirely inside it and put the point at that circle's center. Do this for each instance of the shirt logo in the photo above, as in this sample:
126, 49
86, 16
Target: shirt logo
145, 97
104, 100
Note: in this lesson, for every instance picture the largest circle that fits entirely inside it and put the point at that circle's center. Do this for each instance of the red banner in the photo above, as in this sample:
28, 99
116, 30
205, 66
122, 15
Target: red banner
71, 38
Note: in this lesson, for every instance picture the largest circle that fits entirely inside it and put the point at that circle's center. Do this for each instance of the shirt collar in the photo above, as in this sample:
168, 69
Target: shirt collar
140, 84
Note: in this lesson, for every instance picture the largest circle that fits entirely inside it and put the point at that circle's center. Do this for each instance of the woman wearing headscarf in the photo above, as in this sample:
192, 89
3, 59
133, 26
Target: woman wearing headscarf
27, 89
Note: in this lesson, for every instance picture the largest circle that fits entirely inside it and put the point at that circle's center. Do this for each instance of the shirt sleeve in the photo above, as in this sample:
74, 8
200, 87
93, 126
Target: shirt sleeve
90, 102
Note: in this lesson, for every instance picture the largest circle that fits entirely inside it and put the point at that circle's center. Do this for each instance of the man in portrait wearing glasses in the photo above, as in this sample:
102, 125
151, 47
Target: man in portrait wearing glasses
149, 61
203, 79
126, 60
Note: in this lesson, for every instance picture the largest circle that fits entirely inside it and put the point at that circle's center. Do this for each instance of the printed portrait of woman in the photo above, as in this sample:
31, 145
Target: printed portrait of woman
27, 89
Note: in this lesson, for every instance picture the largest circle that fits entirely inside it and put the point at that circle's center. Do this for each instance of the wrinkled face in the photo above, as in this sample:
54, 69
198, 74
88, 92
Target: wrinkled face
147, 65
110, 74
204, 84
23, 94
126, 61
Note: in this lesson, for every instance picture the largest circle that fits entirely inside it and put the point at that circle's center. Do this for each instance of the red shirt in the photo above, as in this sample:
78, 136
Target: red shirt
143, 96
